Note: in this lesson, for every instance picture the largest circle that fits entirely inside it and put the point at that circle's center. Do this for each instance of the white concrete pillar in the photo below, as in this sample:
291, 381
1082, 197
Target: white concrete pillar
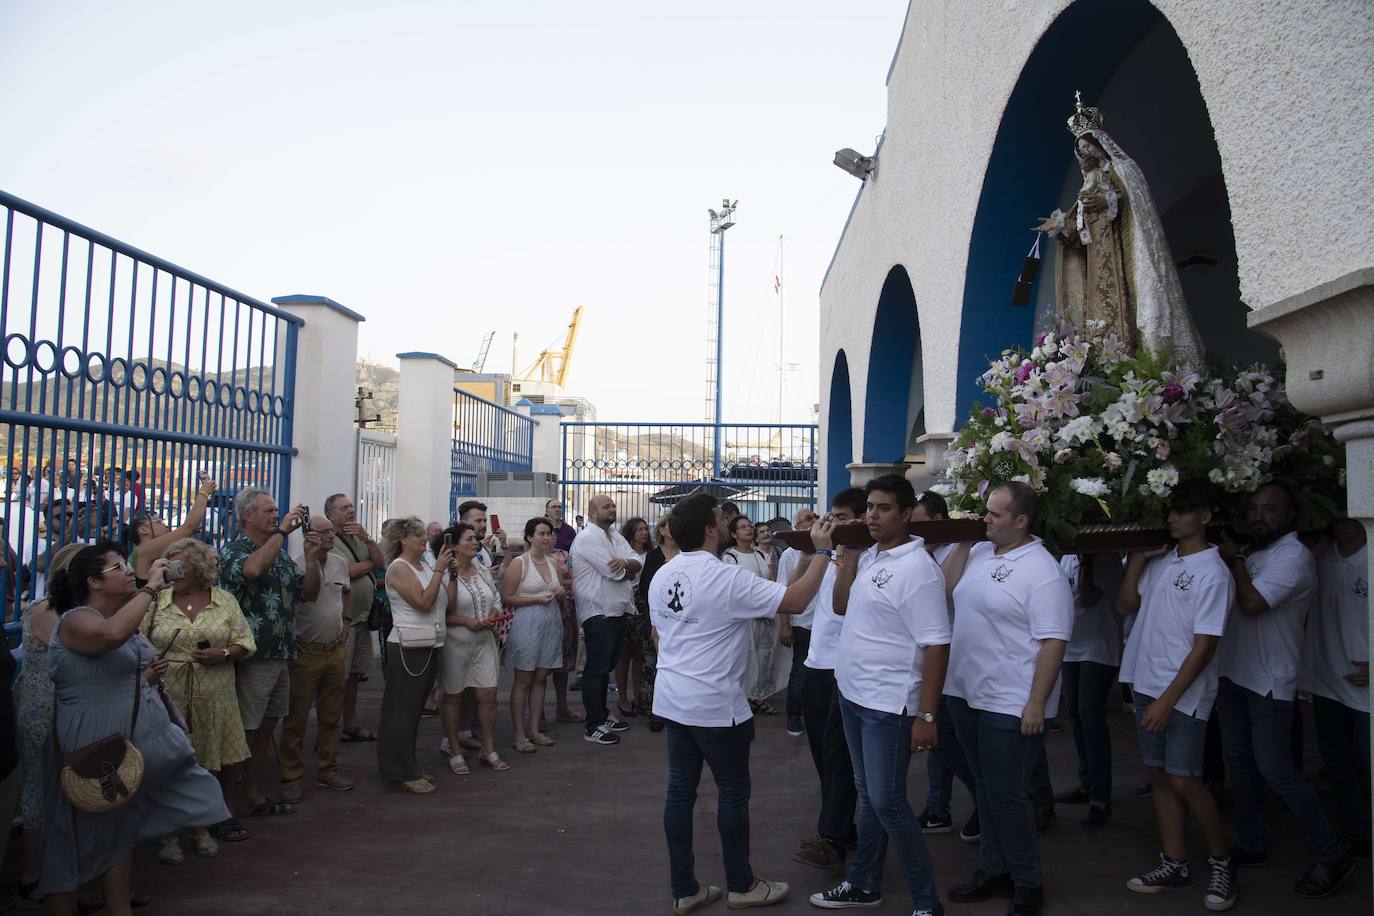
548, 438
424, 436
326, 385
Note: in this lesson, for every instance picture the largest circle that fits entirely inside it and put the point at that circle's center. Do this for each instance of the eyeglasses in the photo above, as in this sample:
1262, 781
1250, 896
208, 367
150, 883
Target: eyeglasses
122, 565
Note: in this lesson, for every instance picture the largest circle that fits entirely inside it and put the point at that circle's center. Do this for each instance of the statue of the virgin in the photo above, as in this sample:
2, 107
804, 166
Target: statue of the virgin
1114, 262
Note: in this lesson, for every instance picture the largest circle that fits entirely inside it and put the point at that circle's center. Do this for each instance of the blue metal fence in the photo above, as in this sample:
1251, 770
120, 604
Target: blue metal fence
768, 470
487, 439
125, 381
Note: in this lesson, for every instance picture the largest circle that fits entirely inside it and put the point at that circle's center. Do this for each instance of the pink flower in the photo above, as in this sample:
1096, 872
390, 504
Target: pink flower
1172, 392
1024, 371
1039, 338
989, 412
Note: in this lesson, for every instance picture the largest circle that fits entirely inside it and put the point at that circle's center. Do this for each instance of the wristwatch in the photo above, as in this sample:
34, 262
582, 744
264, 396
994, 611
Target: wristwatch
926, 717
226, 653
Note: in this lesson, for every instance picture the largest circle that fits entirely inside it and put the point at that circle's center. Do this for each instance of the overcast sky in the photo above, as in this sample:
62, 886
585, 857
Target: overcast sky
449, 169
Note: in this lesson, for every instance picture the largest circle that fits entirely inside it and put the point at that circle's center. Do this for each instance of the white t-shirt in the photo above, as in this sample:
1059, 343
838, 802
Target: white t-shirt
756, 561
597, 590
787, 565
1262, 653
1180, 597
1096, 629
896, 608
826, 625
1338, 628
1005, 606
704, 610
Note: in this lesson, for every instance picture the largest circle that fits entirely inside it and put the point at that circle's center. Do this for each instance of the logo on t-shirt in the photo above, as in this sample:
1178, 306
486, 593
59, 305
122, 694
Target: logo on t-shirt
1002, 573
882, 577
677, 594
1361, 588
1184, 581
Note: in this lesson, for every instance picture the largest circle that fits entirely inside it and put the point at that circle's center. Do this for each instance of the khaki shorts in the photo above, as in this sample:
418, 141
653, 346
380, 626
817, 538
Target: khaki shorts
361, 648
264, 689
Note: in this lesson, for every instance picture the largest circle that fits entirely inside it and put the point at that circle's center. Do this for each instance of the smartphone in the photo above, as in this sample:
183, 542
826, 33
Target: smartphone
202, 476
174, 570
203, 644
448, 539
495, 523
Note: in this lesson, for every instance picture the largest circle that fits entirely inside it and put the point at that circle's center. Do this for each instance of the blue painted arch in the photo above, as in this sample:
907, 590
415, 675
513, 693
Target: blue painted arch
839, 429
894, 374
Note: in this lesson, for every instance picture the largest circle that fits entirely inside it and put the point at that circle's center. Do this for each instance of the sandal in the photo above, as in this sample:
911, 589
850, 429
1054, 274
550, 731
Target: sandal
494, 761
205, 846
543, 740
459, 766
358, 734
430, 778
525, 746
230, 831
627, 713
418, 786
269, 808
470, 743
570, 716
171, 854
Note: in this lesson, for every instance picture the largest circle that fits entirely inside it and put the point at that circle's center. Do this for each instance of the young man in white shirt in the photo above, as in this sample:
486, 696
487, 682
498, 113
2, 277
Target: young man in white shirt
796, 634
1182, 598
319, 670
1091, 664
1276, 582
893, 652
1336, 672
703, 612
603, 568
1013, 615
821, 703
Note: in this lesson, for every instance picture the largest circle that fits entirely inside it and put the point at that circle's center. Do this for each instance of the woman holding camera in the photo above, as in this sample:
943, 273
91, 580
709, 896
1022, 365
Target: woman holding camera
100, 668
201, 632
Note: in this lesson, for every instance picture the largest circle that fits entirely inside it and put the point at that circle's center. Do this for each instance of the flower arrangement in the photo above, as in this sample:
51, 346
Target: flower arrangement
1105, 436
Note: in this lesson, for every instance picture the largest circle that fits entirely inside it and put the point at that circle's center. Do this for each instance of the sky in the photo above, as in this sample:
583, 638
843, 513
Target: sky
451, 169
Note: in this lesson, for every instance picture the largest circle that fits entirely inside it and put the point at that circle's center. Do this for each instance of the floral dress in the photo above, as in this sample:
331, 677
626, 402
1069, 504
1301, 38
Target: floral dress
567, 609
34, 698
205, 694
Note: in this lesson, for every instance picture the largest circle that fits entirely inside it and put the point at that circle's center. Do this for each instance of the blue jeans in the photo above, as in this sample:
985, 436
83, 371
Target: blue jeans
945, 764
603, 642
1343, 736
1001, 757
880, 746
1087, 687
1256, 737
726, 752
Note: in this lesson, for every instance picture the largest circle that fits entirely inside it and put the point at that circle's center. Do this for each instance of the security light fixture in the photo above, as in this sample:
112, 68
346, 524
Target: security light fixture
856, 164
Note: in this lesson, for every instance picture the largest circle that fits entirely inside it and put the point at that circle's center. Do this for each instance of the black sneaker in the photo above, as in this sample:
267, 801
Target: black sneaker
981, 887
972, 830
1242, 858
1044, 820
617, 725
1078, 795
935, 823
1171, 875
1096, 815
1221, 886
1027, 901
601, 735
845, 895
1322, 878
795, 727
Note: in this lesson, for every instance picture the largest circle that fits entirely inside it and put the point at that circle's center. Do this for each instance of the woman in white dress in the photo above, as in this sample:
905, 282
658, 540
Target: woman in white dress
531, 587
419, 595
759, 680
471, 658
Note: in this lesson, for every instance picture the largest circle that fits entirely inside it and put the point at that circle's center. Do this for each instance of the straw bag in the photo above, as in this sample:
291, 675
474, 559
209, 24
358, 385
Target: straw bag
104, 775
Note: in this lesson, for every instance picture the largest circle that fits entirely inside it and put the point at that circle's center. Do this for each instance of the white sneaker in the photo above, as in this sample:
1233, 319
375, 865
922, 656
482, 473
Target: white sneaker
445, 748
763, 893
706, 894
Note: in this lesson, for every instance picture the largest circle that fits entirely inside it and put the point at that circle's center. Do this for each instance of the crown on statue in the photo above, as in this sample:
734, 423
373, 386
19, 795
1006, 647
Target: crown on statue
1084, 118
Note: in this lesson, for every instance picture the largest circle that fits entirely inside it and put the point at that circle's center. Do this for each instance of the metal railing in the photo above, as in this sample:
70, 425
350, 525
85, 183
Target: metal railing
125, 381
487, 438
768, 470
376, 483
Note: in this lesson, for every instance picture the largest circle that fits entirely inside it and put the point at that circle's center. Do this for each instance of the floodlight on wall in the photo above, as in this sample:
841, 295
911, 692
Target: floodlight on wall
856, 164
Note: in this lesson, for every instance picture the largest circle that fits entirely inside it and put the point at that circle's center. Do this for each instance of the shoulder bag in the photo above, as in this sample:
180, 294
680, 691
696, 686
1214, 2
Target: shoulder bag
104, 775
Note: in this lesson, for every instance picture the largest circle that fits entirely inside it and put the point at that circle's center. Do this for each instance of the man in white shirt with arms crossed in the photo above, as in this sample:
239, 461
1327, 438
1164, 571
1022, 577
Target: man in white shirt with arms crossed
703, 611
893, 652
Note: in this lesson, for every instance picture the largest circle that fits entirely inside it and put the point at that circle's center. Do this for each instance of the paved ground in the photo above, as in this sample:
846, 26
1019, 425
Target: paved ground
576, 829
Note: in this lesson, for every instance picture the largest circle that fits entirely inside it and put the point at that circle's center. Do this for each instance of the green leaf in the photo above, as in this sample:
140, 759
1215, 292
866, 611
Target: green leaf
1130, 473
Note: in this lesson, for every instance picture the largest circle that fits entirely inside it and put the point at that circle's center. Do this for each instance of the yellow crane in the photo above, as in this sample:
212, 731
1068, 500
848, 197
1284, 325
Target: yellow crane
552, 364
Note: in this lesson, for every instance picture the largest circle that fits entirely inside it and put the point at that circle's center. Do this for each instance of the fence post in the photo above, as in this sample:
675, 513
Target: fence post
424, 436
326, 372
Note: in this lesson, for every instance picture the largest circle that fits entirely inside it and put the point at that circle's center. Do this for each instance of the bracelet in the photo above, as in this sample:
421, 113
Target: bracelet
283, 534
824, 552
149, 591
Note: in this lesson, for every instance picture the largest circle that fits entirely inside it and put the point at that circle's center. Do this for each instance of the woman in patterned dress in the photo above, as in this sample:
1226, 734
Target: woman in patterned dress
567, 612
203, 633
630, 665
759, 682
33, 708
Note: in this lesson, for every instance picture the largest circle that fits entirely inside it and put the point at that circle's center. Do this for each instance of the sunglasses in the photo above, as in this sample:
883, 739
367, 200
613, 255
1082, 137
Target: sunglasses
122, 565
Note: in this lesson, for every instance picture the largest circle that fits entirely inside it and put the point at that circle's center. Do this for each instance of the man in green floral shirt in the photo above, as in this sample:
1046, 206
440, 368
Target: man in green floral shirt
256, 569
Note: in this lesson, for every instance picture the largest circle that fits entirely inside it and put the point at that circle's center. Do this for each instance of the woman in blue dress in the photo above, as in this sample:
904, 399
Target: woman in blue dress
95, 657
